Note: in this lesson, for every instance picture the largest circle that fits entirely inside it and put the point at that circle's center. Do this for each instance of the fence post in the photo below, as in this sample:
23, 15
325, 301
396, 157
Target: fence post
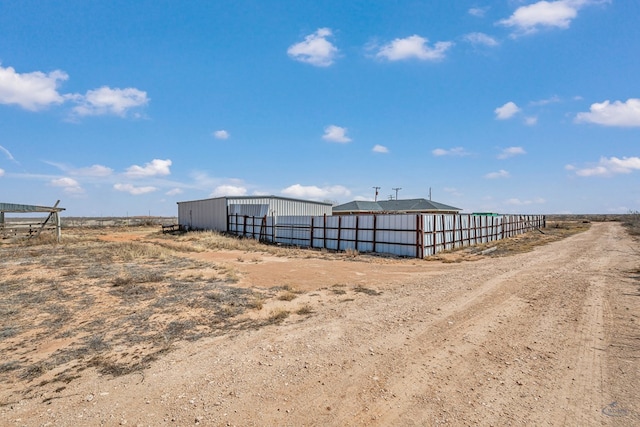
417, 235
311, 236
357, 229
444, 233
433, 234
339, 229
324, 232
375, 218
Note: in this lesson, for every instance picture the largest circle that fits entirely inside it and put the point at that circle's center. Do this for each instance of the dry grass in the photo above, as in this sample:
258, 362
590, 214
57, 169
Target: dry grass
555, 230
113, 306
117, 306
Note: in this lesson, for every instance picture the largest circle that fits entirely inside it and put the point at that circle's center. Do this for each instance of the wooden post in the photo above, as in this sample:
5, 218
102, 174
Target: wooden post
444, 233
357, 229
454, 230
433, 234
244, 226
375, 218
311, 236
339, 229
324, 233
419, 237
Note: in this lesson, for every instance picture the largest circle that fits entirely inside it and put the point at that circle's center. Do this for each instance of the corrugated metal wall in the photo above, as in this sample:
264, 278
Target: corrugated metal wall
211, 214
284, 207
403, 235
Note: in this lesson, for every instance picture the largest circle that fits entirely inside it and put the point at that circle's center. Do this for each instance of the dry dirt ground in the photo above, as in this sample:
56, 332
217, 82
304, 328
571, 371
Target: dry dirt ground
135, 328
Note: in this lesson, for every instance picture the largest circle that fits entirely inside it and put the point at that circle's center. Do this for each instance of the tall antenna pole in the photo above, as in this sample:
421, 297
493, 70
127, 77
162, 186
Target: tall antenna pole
429, 193
396, 190
376, 198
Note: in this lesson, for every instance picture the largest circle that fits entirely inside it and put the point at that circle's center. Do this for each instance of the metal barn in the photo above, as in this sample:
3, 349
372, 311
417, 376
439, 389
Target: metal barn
212, 214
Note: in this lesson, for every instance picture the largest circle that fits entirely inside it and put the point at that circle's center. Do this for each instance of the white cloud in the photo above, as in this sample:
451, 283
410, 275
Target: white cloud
154, 168
380, 149
8, 154
336, 134
609, 166
221, 134
554, 99
551, 14
136, 191
623, 114
228, 190
31, 91
69, 185
507, 111
456, 151
1, 172
510, 152
478, 11
174, 192
317, 193
496, 175
518, 202
109, 101
531, 120
95, 170
315, 49
480, 39
413, 47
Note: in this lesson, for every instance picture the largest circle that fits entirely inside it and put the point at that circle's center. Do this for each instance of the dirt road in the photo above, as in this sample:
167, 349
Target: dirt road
549, 337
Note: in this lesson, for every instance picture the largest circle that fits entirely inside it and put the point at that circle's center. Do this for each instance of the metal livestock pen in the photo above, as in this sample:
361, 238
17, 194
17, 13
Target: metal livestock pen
414, 235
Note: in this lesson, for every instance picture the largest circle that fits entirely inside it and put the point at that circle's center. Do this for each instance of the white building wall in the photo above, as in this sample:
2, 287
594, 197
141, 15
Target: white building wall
211, 214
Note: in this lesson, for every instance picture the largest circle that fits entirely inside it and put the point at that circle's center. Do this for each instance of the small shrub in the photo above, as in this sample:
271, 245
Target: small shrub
367, 291
278, 316
287, 296
305, 309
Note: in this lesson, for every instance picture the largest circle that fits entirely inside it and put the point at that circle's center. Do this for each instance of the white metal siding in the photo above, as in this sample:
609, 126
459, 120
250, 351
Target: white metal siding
209, 214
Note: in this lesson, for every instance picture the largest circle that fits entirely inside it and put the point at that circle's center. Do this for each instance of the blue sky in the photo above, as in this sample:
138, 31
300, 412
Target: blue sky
126, 107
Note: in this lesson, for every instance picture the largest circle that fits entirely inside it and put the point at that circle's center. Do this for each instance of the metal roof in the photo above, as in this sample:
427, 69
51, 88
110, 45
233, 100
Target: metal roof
408, 205
260, 197
17, 208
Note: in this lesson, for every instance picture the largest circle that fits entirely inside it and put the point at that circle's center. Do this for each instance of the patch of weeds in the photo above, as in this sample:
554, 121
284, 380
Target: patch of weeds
351, 252
97, 343
305, 309
338, 291
70, 272
122, 281
34, 371
287, 296
278, 316
256, 303
367, 291
8, 332
9, 366
178, 329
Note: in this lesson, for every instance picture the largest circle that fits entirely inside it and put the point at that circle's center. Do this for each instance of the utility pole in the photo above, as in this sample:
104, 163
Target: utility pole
396, 190
429, 193
376, 198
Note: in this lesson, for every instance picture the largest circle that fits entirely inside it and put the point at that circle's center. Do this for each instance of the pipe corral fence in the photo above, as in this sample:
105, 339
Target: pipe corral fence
29, 227
410, 235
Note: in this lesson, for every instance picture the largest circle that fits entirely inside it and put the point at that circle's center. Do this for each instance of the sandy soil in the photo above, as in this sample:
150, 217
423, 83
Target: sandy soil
549, 337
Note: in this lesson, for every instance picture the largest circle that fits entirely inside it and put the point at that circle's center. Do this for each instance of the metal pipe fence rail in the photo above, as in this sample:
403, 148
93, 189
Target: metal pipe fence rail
411, 235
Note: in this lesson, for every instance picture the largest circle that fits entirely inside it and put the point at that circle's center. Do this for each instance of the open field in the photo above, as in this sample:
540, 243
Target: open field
129, 326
